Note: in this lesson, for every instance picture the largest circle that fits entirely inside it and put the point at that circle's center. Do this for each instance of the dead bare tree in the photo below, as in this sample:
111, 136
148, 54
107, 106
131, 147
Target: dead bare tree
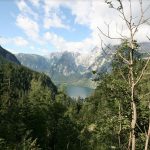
133, 81
148, 132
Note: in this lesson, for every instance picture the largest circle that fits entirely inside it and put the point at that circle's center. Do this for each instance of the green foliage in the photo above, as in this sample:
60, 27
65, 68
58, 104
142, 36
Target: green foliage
108, 110
29, 101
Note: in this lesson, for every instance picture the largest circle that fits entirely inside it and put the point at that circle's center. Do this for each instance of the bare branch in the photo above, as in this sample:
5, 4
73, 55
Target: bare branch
148, 38
141, 18
120, 33
102, 47
123, 14
102, 43
139, 128
108, 36
142, 73
131, 18
147, 94
146, 9
123, 75
119, 54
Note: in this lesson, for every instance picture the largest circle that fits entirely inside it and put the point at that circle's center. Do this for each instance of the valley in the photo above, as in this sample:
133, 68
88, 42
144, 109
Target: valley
72, 69
69, 68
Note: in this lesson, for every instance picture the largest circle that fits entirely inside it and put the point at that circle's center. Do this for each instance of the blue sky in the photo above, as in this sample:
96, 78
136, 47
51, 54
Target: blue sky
44, 26
17, 39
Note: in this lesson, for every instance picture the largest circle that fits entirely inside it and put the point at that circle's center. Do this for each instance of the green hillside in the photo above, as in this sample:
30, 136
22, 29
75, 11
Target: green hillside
4, 54
35, 115
32, 111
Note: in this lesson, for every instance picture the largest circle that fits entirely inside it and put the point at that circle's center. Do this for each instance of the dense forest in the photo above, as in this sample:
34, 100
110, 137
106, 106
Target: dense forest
34, 114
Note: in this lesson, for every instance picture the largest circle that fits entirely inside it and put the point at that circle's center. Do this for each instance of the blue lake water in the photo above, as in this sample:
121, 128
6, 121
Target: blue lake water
76, 91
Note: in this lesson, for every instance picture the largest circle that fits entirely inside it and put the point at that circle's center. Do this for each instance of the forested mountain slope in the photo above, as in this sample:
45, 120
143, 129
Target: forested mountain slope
8, 56
33, 113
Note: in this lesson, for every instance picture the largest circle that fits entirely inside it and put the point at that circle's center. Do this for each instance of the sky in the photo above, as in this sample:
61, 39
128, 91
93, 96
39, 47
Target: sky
44, 26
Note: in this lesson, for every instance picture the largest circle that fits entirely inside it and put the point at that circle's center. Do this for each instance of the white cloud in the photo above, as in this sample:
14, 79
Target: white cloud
62, 45
52, 6
35, 3
89, 13
82, 10
19, 41
25, 9
27, 20
97, 14
53, 16
29, 26
143, 37
3, 41
56, 40
54, 21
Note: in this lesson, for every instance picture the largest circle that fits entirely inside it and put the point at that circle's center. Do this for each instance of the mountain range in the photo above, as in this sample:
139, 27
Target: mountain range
71, 68
68, 68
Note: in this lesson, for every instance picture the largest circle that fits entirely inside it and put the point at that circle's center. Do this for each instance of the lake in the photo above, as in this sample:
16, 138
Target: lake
76, 91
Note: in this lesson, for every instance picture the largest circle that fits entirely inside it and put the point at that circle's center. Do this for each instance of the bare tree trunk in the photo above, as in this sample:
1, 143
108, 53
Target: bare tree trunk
147, 138
133, 104
133, 123
148, 133
120, 126
68, 145
129, 144
133, 29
